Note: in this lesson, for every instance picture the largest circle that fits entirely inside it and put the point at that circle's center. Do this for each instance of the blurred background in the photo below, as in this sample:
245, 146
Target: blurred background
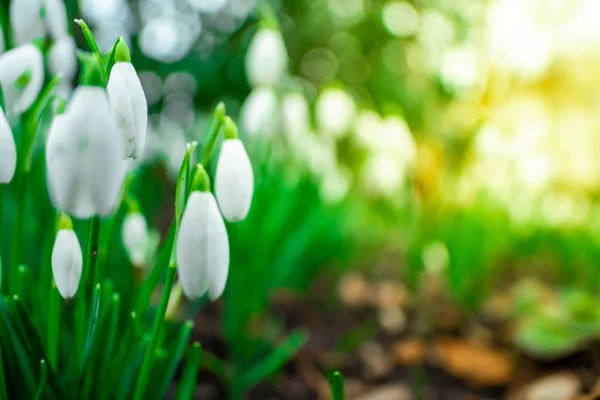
427, 184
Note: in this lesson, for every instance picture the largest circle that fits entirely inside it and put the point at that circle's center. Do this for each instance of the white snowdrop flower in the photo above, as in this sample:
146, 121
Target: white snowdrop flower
384, 174
84, 156
335, 112
67, 262
173, 142
62, 58
135, 238
234, 181
8, 151
296, 115
21, 77
128, 106
32, 19
202, 248
335, 184
267, 58
260, 112
55, 18
26, 21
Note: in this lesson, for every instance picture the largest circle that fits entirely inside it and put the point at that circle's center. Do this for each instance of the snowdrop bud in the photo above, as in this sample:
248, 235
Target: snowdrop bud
67, 261
234, 180
62, 58
267, 58
84, 156
8, 151
128, 102
25, 60
135, 238
202, 248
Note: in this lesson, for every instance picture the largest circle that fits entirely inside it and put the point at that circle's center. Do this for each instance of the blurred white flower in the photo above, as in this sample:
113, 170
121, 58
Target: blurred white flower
84, 156
383, 174
234, 181
8, 151
67, 262
23, 63
335, 111
202, 248
173, 144
32, 19
128, 106
55, 18
140, 243
260, 112
296, 115
335, 184
267, 58
62, 58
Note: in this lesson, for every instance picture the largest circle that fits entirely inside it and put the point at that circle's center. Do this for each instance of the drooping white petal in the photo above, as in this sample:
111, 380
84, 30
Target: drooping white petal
26, 21
55, 18
202, 248
128, 106
62, 58
8, 151
267, 58
234, 181
67, 262
135, 238
84, 156
14, 63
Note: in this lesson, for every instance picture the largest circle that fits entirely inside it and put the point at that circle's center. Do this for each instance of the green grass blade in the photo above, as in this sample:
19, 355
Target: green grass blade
273, 362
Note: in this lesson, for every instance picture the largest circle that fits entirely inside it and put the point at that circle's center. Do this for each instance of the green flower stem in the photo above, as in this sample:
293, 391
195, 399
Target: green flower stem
142, 381
43, 378
53, 326
89, 269
2, 194
3, 395
214, 128
189, 378
91, 41
17, 236
336, 382
92, 251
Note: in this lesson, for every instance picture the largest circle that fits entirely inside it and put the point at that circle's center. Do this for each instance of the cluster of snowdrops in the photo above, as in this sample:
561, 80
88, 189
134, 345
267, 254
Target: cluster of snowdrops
94, 131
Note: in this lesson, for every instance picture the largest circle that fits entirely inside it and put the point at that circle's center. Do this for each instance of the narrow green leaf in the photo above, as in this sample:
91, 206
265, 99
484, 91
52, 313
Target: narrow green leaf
274, 361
